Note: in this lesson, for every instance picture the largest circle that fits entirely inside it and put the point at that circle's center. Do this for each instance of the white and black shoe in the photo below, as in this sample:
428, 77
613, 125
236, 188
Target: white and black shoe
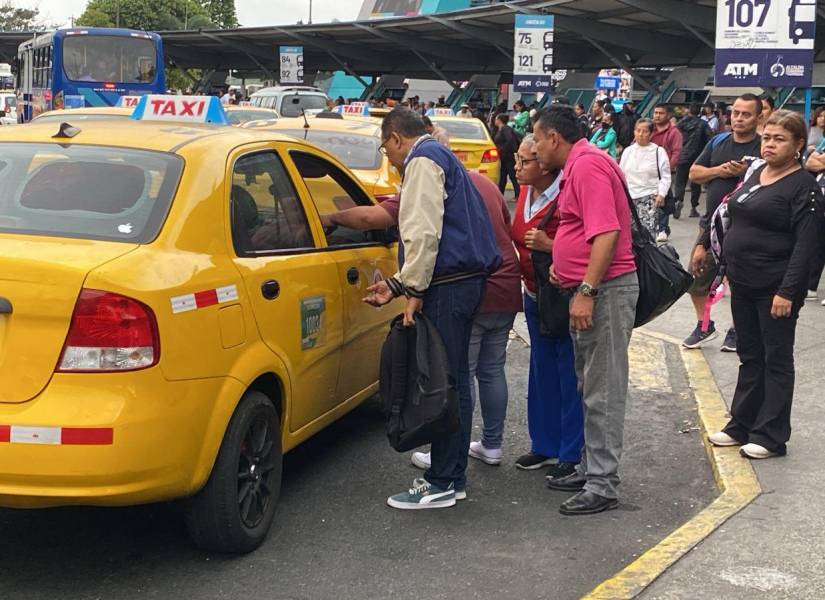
532, 461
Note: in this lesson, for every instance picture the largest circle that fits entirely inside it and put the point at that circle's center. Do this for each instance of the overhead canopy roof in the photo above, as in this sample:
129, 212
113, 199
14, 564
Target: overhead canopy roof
590, 34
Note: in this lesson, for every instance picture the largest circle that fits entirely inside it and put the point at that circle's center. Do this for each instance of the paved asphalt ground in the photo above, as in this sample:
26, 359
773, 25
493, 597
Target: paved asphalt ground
335, 538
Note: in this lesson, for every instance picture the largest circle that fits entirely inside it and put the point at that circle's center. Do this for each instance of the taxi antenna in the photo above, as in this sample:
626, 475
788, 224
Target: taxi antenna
66, 130
304, 115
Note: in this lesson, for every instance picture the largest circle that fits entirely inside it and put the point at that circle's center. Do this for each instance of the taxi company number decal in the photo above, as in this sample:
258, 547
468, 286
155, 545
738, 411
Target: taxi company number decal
312, 320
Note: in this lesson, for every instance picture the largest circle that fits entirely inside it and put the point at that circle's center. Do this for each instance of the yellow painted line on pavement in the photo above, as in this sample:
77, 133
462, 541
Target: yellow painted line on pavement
734, 476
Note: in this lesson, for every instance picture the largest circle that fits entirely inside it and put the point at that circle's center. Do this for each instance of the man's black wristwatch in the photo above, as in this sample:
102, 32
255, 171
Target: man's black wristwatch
587, 290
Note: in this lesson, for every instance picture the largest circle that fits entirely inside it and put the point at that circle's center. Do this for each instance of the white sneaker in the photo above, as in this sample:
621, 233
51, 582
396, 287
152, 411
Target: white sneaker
421, 460
461, 495
720, 438
756, 451
485, 455
661, 237
822, 303
812, 295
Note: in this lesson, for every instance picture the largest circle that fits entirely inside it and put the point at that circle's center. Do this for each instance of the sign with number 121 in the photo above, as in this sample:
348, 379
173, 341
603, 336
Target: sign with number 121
765, 43
533, 55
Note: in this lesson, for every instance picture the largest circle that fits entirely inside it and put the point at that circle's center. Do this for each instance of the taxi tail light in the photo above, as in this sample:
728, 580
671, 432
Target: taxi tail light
110, 332
490, 155
383, 197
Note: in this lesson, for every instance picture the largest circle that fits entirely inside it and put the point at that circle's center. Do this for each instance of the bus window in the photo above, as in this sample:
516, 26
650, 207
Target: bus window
109, 58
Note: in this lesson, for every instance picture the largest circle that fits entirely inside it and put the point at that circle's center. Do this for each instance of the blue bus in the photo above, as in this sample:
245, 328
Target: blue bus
90, 66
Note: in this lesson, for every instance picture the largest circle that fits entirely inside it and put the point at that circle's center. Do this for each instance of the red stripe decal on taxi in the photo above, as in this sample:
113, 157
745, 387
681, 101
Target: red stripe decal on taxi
202, 299
57, 436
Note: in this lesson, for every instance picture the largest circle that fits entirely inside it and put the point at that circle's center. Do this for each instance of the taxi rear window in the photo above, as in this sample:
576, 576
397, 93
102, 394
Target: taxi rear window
356, 151
471, 129
91, 192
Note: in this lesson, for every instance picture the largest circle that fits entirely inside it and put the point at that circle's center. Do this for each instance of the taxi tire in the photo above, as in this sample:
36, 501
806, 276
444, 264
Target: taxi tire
213, 516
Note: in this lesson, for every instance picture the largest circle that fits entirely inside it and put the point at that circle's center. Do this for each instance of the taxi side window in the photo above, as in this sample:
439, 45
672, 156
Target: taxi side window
266, 212
332, 191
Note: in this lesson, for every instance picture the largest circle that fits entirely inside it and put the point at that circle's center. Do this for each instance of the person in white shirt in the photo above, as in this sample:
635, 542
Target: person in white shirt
226, 98
647, 170
465, 112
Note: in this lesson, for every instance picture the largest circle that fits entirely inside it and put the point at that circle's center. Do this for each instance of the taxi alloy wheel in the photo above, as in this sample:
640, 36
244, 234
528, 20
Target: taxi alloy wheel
234, 510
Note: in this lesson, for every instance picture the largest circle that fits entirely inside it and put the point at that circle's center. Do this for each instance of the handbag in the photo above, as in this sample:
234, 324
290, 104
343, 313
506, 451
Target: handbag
662, 279
553, 303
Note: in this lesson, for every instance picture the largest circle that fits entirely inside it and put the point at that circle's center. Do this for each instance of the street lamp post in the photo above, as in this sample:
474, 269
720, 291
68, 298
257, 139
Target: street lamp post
310, 12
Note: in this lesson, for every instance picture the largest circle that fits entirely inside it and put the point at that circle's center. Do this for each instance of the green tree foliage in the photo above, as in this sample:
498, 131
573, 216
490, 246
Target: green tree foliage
222, 12
149, 15
13, 18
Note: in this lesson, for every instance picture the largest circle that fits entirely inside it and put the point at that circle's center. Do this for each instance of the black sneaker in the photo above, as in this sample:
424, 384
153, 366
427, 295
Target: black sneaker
729, 345
530, 461
677, 209
698, 338
694, 214
563, 469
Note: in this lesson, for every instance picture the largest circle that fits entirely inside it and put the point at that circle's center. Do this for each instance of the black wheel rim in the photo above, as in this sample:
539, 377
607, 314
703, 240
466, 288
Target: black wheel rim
256, 470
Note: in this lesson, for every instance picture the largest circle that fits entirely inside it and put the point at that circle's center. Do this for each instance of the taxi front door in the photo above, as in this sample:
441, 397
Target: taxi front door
293, 287
362, 258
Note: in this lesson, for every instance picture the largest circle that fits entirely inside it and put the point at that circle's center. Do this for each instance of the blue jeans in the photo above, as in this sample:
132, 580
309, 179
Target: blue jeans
488, 354
554, 407
452, 307
662, 221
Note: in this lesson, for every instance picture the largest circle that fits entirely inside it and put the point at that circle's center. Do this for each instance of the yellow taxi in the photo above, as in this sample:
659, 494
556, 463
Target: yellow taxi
471, 142
173, 316
354, 141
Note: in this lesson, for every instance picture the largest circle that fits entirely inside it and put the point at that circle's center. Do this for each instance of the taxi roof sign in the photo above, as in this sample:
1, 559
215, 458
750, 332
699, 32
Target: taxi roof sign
182, 109
356, 108
128, 101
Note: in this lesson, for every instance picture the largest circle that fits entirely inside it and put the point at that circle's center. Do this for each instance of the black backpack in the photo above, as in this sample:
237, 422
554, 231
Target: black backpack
420, 398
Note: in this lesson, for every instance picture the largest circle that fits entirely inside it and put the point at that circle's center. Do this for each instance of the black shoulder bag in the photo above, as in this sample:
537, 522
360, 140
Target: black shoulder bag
662, 280
553, 303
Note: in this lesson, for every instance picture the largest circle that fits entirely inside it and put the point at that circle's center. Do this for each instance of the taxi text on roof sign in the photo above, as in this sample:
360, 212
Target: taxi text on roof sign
128, 101
356, 108
187, 109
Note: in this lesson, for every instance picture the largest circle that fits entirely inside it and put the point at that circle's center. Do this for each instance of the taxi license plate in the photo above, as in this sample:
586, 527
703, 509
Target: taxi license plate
461, 155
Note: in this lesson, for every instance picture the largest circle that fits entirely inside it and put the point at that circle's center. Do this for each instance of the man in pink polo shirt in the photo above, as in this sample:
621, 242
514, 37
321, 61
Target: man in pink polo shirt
593, 261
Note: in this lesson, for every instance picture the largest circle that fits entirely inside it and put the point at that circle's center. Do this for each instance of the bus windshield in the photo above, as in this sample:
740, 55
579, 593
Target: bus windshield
110, 58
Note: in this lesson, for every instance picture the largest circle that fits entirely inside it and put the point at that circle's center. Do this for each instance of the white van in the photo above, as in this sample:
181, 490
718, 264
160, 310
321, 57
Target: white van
289, 101
8, 108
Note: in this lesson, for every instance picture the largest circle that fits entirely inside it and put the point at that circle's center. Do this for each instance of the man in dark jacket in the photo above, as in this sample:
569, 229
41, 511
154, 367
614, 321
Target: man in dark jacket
446, 251
626, 124
695, 135
507, 141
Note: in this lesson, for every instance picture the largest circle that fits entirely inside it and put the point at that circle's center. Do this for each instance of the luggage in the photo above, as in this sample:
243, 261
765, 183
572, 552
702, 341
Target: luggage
420, 399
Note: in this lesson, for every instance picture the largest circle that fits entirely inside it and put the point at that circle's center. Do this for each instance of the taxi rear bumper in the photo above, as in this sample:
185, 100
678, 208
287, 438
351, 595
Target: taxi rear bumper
112, 439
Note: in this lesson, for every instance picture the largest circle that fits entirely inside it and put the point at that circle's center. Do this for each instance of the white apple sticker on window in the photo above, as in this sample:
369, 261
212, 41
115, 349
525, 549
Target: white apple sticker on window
125, 228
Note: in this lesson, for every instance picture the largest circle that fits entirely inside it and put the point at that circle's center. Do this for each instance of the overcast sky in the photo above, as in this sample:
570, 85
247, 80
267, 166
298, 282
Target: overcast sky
251, 13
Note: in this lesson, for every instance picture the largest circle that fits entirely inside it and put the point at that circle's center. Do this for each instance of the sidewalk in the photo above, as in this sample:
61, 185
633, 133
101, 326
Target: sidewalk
774, 548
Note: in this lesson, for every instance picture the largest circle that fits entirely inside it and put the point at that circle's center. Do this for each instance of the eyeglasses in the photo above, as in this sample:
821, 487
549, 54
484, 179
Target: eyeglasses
523, 161
382, 148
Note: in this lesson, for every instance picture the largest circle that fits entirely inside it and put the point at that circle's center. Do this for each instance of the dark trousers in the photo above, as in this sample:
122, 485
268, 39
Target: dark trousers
817, 266
761, 407
680, 184
508, 169
451, 307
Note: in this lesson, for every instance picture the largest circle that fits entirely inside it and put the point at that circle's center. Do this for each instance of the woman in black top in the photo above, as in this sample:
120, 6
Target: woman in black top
775, 231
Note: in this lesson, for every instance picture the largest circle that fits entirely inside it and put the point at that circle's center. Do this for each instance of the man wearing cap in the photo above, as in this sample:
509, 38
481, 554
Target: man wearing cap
465, 112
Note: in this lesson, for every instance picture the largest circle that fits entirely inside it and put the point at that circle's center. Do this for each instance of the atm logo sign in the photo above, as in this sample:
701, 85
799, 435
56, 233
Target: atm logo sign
742, 70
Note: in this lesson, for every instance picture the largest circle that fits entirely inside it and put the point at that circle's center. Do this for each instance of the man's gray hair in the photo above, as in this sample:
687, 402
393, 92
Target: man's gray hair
404, 122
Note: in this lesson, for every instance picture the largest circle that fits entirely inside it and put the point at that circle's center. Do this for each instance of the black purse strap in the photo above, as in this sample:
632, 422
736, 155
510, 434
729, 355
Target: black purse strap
658, 169
546, 219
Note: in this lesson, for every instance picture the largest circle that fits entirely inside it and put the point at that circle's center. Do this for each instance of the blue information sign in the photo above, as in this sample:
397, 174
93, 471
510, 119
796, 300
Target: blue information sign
533, 56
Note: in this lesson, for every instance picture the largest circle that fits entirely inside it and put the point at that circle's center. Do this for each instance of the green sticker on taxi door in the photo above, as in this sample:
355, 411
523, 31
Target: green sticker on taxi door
312, 322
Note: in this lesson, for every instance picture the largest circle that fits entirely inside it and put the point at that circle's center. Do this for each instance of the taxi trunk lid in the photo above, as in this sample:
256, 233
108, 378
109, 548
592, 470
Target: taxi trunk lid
470, 152
41, 278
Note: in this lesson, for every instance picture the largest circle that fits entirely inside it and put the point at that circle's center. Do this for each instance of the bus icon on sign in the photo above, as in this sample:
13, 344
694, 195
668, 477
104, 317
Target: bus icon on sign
548, 40
802, 20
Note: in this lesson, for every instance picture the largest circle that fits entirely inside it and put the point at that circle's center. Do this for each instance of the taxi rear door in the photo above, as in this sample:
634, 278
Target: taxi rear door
362, 258
294, 287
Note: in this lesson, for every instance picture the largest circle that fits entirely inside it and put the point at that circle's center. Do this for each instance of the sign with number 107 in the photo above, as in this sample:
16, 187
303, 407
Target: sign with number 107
766, 43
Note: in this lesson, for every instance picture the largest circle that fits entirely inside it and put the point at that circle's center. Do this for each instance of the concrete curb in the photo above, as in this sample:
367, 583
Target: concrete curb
734, 475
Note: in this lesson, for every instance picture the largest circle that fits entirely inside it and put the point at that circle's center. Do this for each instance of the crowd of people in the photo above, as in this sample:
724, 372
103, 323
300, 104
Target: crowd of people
469, 268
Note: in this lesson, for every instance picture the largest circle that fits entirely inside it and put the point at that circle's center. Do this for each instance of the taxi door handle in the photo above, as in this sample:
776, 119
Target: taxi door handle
5, 306
352, 275
270, 289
